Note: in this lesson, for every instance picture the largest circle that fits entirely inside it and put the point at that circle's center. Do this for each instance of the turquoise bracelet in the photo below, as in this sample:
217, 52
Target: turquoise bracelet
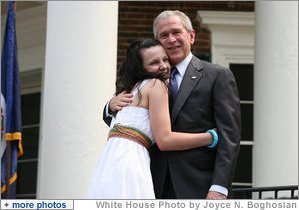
215, 139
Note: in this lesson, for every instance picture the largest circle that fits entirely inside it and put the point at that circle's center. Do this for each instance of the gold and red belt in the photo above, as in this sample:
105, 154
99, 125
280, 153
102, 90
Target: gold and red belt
130, 133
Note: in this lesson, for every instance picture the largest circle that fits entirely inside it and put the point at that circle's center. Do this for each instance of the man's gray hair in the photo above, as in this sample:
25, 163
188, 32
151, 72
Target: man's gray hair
167, 13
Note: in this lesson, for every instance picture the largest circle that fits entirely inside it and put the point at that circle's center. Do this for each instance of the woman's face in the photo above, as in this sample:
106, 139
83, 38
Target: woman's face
155, 59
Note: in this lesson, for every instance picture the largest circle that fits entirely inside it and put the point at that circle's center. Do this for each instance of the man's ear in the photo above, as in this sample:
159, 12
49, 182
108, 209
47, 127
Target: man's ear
192, 36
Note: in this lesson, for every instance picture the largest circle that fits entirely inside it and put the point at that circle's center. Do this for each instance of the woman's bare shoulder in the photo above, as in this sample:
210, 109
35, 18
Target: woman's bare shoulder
156, 83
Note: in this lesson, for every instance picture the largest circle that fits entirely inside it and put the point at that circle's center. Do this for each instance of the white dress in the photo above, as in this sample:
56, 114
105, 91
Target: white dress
123, 170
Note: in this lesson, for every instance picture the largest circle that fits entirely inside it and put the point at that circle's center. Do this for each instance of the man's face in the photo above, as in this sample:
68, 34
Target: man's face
175, 38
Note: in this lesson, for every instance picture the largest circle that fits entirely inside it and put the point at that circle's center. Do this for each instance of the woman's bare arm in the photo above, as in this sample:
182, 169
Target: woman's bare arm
161, 124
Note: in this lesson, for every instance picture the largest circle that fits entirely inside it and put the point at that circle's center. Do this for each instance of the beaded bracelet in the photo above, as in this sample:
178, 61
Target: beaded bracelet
215, 139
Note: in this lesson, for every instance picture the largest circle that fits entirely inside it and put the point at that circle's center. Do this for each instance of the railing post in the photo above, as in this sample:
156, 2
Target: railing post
276, 194
260, 194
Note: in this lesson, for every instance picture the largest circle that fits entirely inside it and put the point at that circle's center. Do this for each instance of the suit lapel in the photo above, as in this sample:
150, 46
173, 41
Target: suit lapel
191, 78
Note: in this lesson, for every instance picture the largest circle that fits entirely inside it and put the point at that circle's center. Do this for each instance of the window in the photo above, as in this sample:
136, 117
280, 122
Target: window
244, 77
27, 163
232, 46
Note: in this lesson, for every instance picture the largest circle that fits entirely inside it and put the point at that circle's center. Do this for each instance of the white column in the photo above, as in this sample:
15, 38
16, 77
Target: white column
79, 78
275, 153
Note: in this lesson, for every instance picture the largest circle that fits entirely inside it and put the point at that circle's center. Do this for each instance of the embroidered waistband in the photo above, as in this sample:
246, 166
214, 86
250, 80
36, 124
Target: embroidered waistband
130, 133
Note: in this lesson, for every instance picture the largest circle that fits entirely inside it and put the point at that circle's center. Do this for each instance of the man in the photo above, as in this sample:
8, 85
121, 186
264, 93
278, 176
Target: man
207, 98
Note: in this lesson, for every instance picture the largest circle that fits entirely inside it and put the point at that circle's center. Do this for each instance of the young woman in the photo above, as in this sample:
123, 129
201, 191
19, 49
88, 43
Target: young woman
123, 171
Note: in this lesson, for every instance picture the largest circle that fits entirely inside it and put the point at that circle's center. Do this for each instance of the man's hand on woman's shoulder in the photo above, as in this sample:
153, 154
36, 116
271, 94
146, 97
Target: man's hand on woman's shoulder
118, 102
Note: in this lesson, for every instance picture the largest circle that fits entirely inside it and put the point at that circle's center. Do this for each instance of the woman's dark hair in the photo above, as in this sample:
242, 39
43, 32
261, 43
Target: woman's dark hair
131, 71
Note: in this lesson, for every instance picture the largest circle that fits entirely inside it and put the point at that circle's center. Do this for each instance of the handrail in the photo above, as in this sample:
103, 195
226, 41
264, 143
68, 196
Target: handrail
260, 190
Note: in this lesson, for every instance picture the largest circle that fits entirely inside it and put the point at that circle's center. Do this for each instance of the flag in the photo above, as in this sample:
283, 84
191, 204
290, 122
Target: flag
10, 90
3, 111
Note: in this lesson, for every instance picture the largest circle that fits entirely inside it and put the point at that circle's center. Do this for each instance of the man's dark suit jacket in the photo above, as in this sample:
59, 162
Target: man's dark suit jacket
208, 98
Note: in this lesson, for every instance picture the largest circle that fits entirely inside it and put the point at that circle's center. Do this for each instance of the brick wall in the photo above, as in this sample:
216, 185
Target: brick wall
136, 19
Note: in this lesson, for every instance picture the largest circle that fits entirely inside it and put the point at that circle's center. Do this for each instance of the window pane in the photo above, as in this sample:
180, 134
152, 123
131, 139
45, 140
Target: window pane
247, 122
243, 171
27, 174
244, 77
26, 196
30, 109
30, 143
205, 57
